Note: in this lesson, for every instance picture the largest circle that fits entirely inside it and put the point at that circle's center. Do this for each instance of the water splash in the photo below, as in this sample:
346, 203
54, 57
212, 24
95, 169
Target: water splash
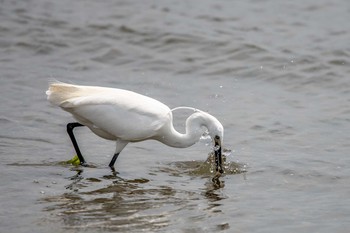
206, 168
216, 148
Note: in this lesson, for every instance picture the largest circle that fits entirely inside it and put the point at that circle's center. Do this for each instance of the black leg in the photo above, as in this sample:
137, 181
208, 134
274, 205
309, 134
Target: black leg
70, 127
111, 164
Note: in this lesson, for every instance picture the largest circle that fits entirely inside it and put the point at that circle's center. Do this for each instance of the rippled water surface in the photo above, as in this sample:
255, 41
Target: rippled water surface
275, 73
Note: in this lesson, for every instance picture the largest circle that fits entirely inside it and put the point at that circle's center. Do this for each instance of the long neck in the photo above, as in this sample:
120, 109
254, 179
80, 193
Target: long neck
194, 130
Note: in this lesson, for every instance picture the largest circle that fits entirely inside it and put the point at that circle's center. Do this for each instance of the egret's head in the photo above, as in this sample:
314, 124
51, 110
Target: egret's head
218, 136
216, 132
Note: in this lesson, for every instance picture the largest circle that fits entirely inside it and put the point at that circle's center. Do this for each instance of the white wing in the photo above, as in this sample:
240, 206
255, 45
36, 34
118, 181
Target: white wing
112, 113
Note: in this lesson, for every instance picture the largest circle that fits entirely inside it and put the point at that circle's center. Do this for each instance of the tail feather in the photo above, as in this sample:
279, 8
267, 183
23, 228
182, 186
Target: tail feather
59, 92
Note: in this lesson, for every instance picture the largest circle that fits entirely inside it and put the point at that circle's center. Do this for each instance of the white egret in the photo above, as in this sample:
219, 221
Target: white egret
125, 116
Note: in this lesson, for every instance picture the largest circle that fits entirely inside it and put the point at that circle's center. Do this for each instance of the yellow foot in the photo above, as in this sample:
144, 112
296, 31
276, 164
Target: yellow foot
74, 161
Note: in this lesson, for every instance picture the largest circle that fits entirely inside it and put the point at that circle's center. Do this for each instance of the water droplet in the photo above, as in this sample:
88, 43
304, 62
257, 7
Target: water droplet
42, 192
216, 148
205, 137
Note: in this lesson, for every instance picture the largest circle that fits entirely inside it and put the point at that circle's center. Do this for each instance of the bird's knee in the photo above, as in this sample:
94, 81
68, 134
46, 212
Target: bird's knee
72, 125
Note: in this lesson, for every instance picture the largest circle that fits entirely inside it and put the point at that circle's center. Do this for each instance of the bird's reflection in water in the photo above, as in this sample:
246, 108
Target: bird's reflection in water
75, 180
111, 202
116, 204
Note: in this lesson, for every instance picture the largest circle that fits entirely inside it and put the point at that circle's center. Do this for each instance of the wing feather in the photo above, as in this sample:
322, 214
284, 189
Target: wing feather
111, 113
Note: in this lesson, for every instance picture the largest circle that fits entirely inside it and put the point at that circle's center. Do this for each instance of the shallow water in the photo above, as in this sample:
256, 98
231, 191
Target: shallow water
274, 73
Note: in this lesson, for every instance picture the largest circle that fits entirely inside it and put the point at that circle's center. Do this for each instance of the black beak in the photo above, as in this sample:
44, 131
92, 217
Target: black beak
218, 154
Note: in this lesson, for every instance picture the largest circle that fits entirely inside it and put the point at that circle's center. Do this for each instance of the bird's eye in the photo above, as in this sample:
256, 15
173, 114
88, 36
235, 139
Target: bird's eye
217, 137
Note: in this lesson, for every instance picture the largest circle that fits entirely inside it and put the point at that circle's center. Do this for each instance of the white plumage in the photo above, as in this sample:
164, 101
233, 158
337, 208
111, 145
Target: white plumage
125, 116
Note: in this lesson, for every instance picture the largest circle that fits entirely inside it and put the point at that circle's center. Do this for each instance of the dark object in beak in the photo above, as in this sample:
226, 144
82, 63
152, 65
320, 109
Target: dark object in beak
218, 154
